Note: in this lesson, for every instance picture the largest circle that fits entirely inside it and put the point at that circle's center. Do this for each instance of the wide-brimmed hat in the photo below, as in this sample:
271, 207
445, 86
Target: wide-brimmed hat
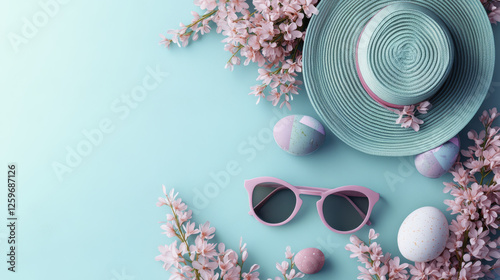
364, 59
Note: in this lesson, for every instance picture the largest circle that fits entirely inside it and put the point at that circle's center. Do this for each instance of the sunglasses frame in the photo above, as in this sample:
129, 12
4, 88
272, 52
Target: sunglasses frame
372, 196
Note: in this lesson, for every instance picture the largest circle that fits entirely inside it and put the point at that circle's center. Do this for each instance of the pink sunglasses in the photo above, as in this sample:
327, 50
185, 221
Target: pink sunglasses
275, 202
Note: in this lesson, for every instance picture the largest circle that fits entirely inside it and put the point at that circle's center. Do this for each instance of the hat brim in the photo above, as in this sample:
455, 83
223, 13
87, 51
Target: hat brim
339, 98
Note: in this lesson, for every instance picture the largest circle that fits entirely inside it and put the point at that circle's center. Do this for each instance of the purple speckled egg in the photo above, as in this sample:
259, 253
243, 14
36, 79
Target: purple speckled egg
299, 135
438, 161
309, 260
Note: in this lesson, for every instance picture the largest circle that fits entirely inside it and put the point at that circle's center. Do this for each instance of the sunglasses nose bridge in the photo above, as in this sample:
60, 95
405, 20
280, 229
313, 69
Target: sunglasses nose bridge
310, 191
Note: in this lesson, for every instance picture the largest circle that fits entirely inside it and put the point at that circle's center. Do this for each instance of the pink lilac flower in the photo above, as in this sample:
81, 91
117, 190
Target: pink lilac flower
294, 274
274, 97
365, 274
407, 118
185, 216
258, 91
290, 31
170, 255
204, 266
161, 201
288, 253
239, 5
372, 235
491, 7
169, 230
423, 107
252, 274
224, 265
397, 270
206, 4
286, 102
206, 232
282, 267
293, 66
178, 205
203, 248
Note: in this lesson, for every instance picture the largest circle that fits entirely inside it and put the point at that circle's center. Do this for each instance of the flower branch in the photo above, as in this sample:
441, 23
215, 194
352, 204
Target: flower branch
271, 36
204, 260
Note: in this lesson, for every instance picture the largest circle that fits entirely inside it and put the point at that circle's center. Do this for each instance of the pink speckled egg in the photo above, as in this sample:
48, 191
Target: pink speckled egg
309, 260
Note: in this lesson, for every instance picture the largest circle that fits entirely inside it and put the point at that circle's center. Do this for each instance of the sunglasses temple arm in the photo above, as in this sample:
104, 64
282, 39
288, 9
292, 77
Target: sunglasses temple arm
260, 204
363, 215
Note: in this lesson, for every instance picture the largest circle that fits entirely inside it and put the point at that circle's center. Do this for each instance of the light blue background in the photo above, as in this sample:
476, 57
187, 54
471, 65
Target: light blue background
100, 221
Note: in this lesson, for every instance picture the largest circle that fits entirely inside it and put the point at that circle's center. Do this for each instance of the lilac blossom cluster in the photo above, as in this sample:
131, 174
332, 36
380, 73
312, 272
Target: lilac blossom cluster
407, 116
376, 264
203, 260
271, 35
472, 250
492, 8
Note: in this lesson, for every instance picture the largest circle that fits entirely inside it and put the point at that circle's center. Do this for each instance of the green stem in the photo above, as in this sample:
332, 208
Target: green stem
205, 16
376, 277
491, 182
277, 38
296, 49
483, 176
277, 70
250, 15
182, 236
241, 266
235, 53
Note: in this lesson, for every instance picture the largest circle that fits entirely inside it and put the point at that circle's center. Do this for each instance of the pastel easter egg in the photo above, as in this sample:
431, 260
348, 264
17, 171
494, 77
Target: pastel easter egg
309, 260
423, 234
438, 161
299, 135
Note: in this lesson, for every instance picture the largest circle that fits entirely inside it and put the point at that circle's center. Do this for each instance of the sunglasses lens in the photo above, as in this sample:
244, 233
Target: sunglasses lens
273, 203
342, 210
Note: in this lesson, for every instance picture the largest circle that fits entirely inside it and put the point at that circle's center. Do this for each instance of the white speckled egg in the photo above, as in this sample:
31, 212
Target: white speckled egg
309, 260
423, 234
438, 161
299, 135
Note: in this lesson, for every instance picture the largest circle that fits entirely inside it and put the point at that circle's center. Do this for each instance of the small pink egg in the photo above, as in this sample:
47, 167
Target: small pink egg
309, 260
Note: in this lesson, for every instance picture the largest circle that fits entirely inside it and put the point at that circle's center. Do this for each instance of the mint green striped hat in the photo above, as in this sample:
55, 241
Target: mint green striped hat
362, 57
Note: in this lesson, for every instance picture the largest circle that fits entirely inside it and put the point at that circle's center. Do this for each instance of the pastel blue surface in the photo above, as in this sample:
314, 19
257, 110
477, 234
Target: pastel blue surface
91, 81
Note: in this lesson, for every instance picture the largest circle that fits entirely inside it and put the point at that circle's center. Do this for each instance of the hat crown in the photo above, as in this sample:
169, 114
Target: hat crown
404, 54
